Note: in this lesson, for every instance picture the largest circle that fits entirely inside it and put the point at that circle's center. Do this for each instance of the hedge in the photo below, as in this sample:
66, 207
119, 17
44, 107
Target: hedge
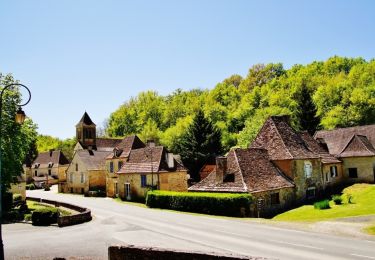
44, 216
323, 204
224, 204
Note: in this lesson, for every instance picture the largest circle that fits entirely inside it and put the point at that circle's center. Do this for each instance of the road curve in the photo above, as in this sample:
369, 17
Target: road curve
116, 224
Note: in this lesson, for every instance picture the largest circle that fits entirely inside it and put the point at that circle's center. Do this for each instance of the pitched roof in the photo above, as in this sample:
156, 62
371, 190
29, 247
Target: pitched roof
86, 120
359, 145
125, 146
339, 139
94, 160
317, 148
44, 159
281, 141
107, 144
139, 161
209, 183
253, 172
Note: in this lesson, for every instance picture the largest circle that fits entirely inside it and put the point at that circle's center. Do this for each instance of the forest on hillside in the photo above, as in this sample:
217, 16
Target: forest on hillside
338, 92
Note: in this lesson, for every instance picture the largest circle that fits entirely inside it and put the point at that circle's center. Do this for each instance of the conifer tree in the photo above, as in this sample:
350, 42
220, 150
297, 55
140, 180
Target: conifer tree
200, 142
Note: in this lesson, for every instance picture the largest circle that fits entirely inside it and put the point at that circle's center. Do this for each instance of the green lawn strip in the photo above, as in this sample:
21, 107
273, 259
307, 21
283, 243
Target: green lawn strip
133, 203
33, 205
363, 198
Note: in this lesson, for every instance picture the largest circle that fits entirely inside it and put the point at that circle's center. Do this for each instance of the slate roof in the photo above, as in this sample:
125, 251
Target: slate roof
94, 160
349, 142
122, 150
281, 141
139, 161
45, 158
317, 148
86, 120
253, 172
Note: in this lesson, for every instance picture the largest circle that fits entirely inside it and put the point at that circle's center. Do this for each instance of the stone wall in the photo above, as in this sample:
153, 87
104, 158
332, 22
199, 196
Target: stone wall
149, 253
302, 183
173, 181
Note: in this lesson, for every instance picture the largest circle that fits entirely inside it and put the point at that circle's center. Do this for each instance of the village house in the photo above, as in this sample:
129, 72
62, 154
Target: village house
48, 168
116, 159
150, 167
19, 186
354, 146
87, 170
282, 167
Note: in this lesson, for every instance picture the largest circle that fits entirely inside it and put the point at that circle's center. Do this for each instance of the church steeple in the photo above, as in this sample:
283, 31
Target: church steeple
86, 132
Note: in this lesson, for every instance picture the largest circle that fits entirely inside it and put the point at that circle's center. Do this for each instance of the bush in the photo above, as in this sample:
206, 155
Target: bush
7, 200
337, 199
30, 186
323, 204
47, 188
27, 217
44, 216
17, 198
225, 204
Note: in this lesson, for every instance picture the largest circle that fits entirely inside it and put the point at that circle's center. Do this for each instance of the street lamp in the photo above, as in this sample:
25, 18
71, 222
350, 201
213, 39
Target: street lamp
19, 118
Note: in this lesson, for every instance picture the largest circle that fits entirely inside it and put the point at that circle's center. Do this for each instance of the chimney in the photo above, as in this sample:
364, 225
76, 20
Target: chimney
170, 160
151, 143
221, 168
50, 152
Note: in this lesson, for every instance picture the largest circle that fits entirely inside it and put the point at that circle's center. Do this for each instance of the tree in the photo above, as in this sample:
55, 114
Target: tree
16, 139
201, 141
308, 119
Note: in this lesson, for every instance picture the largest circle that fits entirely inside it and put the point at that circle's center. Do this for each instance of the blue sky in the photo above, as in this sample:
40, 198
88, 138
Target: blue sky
94, 55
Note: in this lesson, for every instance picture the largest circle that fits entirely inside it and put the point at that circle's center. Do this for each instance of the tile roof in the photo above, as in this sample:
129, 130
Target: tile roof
86, 120
338, 139
45, 158
107, 143
317, 148
359, 145
125, 146
281, 141
253, 172
139, 161
94, 160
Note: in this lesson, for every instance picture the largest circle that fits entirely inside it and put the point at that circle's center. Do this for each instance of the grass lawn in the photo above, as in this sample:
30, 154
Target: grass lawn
33, 205
363, 198
370, 230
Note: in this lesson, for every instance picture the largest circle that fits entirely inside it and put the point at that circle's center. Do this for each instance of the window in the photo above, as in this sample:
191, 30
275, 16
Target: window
310, 193
116, 188
71, 177
307, 169
333, 170
110, 166
36, 173
275, 198
49, 172
143, 181
82, 178
76, 167
229, 177
353, 173
119, 165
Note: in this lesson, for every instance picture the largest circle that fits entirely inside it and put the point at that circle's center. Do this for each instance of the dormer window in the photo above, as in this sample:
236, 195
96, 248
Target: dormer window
229, 177
50, 164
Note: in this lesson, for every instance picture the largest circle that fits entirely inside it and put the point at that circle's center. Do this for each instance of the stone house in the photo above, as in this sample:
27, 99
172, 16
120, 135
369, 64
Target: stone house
19, 186
354, 146
250, 171
116, 159
150, 167
297, 155
87, 170
48, 167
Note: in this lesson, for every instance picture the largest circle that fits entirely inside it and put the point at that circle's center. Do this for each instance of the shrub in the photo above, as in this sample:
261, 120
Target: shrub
44, 216
47, 188
17, 198
7, 200
337, 199
323, 204
30, 186
225, 204
27, 217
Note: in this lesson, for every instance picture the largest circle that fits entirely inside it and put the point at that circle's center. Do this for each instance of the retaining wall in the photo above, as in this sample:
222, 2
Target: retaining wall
84, 214
149, 253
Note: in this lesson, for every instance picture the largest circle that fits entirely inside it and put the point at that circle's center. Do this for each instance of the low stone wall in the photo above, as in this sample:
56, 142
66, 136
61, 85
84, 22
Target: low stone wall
149, 253
84, 214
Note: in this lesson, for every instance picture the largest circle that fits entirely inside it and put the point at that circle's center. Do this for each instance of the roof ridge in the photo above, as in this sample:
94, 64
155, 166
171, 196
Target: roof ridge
241, 173
282, 140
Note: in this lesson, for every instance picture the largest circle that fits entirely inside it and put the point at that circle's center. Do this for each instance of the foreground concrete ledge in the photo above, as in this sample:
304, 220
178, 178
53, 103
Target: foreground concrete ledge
83, 215
131, 252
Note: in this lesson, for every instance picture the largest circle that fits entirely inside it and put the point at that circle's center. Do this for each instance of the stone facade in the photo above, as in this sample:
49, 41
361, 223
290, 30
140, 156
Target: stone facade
365, 168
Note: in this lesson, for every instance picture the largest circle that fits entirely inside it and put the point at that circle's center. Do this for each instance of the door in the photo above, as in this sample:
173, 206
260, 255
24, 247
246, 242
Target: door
116, 189
127, 191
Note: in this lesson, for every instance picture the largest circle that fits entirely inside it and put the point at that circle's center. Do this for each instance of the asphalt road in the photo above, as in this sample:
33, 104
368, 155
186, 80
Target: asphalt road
116, 224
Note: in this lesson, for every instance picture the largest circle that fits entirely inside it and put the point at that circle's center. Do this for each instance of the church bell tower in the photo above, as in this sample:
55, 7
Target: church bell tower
86, 132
